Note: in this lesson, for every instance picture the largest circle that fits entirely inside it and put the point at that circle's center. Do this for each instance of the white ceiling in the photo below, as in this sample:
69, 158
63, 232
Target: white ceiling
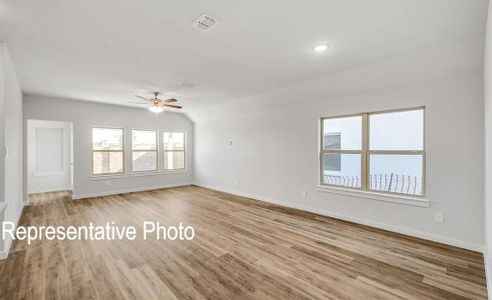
108, 50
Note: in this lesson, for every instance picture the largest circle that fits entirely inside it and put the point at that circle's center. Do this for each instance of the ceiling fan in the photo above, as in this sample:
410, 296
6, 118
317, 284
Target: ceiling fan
157, 105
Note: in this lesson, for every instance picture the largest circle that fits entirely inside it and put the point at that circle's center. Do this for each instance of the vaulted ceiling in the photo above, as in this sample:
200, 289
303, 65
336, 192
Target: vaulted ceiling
109, 50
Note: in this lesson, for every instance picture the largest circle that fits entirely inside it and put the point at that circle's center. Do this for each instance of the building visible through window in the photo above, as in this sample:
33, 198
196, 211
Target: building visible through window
332, 142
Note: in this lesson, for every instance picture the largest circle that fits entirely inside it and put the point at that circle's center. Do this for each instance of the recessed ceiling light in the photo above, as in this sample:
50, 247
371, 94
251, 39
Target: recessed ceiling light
320, 48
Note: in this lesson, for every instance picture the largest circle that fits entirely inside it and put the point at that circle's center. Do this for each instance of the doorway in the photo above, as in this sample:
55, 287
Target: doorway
49, 161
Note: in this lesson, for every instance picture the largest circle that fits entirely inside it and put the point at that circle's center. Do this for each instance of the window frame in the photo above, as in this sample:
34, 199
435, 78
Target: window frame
185, 150
109, 151
365, 152
156, 150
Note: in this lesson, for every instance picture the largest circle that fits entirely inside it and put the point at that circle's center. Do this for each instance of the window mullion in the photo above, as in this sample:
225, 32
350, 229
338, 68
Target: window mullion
365, 147
397, 152
334, 151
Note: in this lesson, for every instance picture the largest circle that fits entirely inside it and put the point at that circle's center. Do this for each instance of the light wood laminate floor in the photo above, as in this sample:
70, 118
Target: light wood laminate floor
243, 249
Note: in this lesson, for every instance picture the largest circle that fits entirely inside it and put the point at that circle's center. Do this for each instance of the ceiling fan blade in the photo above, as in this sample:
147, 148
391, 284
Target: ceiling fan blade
145, 99
169, 100
173, 106
137, 103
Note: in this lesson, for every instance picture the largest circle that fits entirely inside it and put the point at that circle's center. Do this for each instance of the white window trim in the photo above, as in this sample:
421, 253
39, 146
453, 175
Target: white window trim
175, 171
364, 191
386, 197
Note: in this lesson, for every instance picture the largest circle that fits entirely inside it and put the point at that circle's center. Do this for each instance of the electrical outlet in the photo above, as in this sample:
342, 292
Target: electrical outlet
439, 217
304, 193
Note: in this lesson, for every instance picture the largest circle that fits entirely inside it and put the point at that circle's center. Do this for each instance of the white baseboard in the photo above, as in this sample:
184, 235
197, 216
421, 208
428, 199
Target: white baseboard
51, 189
133, 190
405, 231
8, 242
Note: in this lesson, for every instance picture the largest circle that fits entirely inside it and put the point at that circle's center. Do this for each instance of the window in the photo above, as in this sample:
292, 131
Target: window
107, 151
144, 150
380, 151
174, 150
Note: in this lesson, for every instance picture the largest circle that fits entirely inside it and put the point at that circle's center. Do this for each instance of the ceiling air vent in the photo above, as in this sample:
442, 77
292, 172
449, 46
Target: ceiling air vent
204, 23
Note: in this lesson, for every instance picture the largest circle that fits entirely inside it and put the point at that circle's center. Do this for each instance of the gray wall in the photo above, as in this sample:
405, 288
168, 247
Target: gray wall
10, 137
3, 203
488, 151
274, 157
84, 115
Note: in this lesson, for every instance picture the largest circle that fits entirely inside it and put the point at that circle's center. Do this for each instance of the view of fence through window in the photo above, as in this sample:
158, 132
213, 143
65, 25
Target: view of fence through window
382, 152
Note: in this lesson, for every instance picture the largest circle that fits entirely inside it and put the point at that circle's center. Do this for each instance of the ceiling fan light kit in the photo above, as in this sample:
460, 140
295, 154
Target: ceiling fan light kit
157, 105
155, 109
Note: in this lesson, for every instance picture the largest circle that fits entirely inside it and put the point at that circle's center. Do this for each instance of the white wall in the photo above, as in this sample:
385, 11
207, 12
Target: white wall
3, 203
84, 115
50, 180
488, 151
274, 154
11, 137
